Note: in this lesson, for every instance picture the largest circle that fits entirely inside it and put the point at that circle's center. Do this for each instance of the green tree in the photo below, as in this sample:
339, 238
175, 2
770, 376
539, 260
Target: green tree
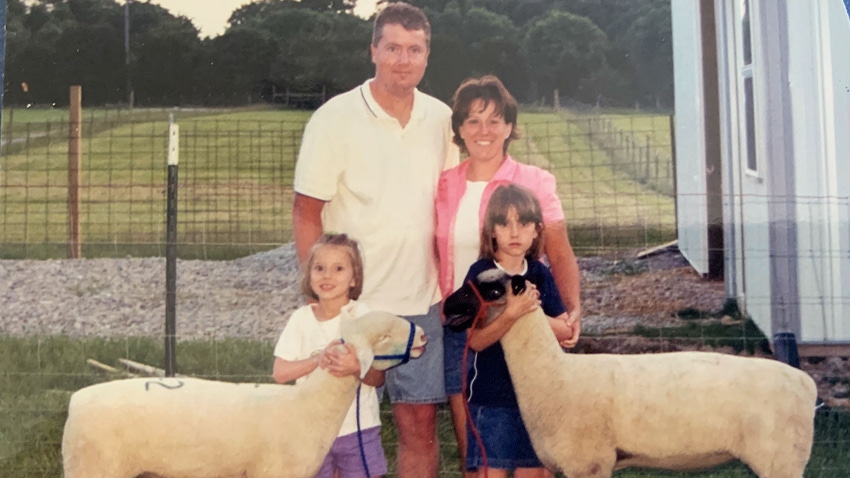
564, 51
473, 42
234, 65
165, 52
649, 43
318, 50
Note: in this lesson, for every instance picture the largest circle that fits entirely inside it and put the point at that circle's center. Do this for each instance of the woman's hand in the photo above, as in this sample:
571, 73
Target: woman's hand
575, 327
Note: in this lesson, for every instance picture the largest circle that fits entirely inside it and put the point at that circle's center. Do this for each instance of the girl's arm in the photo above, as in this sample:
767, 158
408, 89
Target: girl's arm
286, 371
517, 306
374, 378
337, 358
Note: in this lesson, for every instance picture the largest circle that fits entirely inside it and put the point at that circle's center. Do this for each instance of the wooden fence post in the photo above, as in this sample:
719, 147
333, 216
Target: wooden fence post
75, 126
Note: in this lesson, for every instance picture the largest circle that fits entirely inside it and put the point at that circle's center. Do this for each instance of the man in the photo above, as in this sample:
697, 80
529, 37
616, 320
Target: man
369, 164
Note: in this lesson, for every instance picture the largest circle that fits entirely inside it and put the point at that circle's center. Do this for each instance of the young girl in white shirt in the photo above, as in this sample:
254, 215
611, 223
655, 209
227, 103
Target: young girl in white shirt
334, 279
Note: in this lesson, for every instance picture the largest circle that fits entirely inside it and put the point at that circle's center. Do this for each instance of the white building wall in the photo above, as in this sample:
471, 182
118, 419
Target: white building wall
818, 35
753, 206
819, 85
838, 20
692, 214
810, 124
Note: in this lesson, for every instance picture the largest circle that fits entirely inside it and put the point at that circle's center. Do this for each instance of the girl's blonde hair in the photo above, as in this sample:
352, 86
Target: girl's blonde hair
527, 208
351, 247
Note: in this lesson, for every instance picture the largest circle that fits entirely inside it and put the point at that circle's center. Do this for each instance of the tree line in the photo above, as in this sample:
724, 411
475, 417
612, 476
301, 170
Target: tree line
614, 52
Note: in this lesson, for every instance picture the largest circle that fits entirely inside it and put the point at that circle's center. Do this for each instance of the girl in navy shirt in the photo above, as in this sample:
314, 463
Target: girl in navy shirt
512, 240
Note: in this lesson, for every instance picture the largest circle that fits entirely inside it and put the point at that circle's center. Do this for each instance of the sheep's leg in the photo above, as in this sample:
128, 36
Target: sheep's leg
95, 468
780, 452
778, 466
597, 467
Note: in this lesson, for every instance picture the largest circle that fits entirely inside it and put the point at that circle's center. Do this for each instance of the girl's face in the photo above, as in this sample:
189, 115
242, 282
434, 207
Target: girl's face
484, 132
514, 238
332, 274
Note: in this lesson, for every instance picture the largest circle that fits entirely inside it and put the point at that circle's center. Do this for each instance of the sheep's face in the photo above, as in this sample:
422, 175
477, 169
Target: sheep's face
464, 304
383, 340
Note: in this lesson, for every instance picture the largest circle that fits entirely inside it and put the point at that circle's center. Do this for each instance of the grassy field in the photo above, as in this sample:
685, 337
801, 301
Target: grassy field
606, 209
38, 375
234, 196
235, 178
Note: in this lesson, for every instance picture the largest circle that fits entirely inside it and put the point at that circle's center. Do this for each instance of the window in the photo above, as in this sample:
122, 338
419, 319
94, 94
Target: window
747, 77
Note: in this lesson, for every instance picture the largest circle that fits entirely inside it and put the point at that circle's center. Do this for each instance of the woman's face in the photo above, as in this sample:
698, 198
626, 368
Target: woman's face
484, 132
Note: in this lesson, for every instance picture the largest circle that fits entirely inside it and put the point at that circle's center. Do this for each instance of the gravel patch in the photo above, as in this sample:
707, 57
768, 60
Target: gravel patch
252, 297
248, 297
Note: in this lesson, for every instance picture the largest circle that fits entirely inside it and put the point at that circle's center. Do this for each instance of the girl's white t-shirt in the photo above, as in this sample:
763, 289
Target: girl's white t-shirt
304, 334
467, 230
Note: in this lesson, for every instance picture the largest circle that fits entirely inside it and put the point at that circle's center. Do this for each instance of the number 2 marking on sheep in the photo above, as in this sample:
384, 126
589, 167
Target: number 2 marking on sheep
164, 385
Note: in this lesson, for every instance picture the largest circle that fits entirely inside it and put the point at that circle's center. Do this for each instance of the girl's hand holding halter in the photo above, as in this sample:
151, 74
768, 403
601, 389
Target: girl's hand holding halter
340, 359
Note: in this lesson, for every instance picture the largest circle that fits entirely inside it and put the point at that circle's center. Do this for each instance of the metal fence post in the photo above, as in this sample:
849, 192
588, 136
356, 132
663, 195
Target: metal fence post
171, 251
75, 127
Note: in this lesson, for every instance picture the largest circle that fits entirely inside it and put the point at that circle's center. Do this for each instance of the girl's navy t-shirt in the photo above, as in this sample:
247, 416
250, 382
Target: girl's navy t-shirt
489, 382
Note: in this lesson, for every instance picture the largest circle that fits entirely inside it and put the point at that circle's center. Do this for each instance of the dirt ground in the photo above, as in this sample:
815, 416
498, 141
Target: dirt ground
664, 291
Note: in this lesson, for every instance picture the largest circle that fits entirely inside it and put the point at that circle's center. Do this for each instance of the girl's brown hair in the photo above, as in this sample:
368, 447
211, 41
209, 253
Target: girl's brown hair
351, 247
527, 208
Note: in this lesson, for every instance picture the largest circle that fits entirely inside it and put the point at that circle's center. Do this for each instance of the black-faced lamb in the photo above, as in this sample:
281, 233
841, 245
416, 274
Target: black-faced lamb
185, 427
589, 415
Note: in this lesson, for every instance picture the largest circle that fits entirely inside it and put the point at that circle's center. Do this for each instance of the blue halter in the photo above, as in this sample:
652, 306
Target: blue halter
405, 357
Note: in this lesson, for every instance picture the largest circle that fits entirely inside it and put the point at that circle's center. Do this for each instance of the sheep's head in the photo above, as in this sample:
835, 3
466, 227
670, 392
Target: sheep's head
487, 290
383, 340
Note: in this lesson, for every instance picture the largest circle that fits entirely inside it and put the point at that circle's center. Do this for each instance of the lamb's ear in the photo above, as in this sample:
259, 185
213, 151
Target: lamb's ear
347, 311
366, 357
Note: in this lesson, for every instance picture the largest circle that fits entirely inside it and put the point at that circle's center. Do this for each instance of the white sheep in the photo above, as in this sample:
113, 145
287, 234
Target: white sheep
588, 415
185, 427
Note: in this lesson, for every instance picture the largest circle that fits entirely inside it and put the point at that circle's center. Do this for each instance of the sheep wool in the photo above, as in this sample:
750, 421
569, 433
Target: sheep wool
589, 415
187, 427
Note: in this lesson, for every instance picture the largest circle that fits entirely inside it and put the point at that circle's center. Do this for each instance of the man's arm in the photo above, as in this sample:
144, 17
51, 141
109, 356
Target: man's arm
565, 270
306, 224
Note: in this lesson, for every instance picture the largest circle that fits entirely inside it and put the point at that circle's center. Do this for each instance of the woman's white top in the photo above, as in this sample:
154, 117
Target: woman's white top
467, 230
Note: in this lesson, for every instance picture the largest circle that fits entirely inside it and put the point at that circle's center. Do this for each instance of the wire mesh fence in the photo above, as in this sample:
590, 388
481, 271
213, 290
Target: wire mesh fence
234, 193
35, 392
615, 177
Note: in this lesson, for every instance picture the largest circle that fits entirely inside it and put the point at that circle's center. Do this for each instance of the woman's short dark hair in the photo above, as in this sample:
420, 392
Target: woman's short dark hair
404, 14
488, 89
527, 208
352, 247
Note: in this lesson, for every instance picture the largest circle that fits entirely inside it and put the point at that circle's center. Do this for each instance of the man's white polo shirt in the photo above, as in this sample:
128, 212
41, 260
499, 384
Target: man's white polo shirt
379, 180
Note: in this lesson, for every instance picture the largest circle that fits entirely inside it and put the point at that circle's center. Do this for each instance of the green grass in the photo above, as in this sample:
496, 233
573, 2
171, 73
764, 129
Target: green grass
38, 375
234, 198
606, 209
235, 182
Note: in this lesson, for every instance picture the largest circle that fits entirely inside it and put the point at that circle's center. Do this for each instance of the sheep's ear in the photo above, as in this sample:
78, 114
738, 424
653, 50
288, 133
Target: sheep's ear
347, 312
366, 357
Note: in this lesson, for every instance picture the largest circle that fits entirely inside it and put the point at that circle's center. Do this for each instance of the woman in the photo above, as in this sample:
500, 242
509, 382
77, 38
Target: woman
484, 116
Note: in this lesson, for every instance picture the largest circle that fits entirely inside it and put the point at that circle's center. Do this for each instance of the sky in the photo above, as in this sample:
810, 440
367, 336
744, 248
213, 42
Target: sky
210, 16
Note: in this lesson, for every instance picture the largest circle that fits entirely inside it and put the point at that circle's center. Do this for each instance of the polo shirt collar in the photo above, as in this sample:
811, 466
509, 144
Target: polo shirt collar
378, 112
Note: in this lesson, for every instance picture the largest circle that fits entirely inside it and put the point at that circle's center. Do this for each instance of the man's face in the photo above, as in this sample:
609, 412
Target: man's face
400, 58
